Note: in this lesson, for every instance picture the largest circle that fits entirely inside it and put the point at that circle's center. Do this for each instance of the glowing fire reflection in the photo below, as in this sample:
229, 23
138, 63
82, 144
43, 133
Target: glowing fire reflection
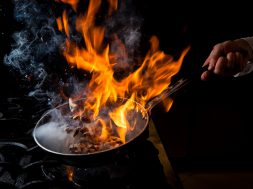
70, 173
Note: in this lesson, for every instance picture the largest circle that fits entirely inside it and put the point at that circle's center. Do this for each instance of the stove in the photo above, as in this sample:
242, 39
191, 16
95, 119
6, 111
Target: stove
24, 165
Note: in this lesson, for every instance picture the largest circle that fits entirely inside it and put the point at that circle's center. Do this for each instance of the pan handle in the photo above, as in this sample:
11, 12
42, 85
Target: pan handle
175, 88
171, 90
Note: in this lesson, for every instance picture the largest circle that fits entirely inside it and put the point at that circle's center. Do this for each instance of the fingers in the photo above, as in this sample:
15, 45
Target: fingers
205, 75
241, 60
231, 59
228, 58
227, 65
214, 55
212, 63
220, 66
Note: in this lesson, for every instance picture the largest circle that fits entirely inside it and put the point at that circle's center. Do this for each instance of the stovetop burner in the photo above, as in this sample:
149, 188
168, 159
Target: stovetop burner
18, 115
23, 165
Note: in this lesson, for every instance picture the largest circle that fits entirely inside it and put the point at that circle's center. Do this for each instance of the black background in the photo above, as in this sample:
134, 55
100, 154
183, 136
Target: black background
210, 123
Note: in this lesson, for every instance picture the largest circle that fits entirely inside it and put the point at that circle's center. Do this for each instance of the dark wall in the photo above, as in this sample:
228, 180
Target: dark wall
199, 24
210, 123
7, 28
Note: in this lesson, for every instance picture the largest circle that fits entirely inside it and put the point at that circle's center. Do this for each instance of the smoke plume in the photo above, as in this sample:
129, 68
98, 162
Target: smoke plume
35, 45
36, 51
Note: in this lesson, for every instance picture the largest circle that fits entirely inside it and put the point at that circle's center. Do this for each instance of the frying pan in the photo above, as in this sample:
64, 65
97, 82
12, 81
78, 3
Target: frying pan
50, 135
54, 145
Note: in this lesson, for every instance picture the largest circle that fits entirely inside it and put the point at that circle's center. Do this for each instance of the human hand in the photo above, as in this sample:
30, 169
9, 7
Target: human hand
227, 58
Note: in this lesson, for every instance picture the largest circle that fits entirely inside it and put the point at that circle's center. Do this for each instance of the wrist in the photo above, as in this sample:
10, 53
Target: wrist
247, 44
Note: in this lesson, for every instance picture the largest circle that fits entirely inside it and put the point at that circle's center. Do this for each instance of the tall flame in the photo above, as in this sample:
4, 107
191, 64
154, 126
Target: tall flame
149, 80
72, 3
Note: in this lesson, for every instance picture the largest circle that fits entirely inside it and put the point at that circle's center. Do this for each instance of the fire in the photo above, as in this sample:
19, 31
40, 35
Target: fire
73, 3
149, 80
63, 23
70, 173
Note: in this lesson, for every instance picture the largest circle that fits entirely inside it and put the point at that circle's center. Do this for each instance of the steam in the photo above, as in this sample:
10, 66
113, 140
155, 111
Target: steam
52, 135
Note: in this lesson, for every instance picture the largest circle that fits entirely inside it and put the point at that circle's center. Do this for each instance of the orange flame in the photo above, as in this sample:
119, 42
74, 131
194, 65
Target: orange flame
63, 23
149, 80
104, 132
72, 3
70, 173
113, 5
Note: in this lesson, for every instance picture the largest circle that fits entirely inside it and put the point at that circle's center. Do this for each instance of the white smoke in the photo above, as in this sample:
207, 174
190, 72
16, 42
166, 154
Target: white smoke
34, 44
53, 137
36, 47
52, 134
127, 25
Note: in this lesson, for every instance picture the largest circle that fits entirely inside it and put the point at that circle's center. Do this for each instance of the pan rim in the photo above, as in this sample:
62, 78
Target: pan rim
146, 117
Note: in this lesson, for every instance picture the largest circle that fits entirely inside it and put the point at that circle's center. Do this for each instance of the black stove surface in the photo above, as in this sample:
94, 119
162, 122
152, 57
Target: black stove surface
24, 165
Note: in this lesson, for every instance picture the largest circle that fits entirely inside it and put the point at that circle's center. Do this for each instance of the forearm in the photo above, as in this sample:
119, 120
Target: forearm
249, 66
249, 40
247, 69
